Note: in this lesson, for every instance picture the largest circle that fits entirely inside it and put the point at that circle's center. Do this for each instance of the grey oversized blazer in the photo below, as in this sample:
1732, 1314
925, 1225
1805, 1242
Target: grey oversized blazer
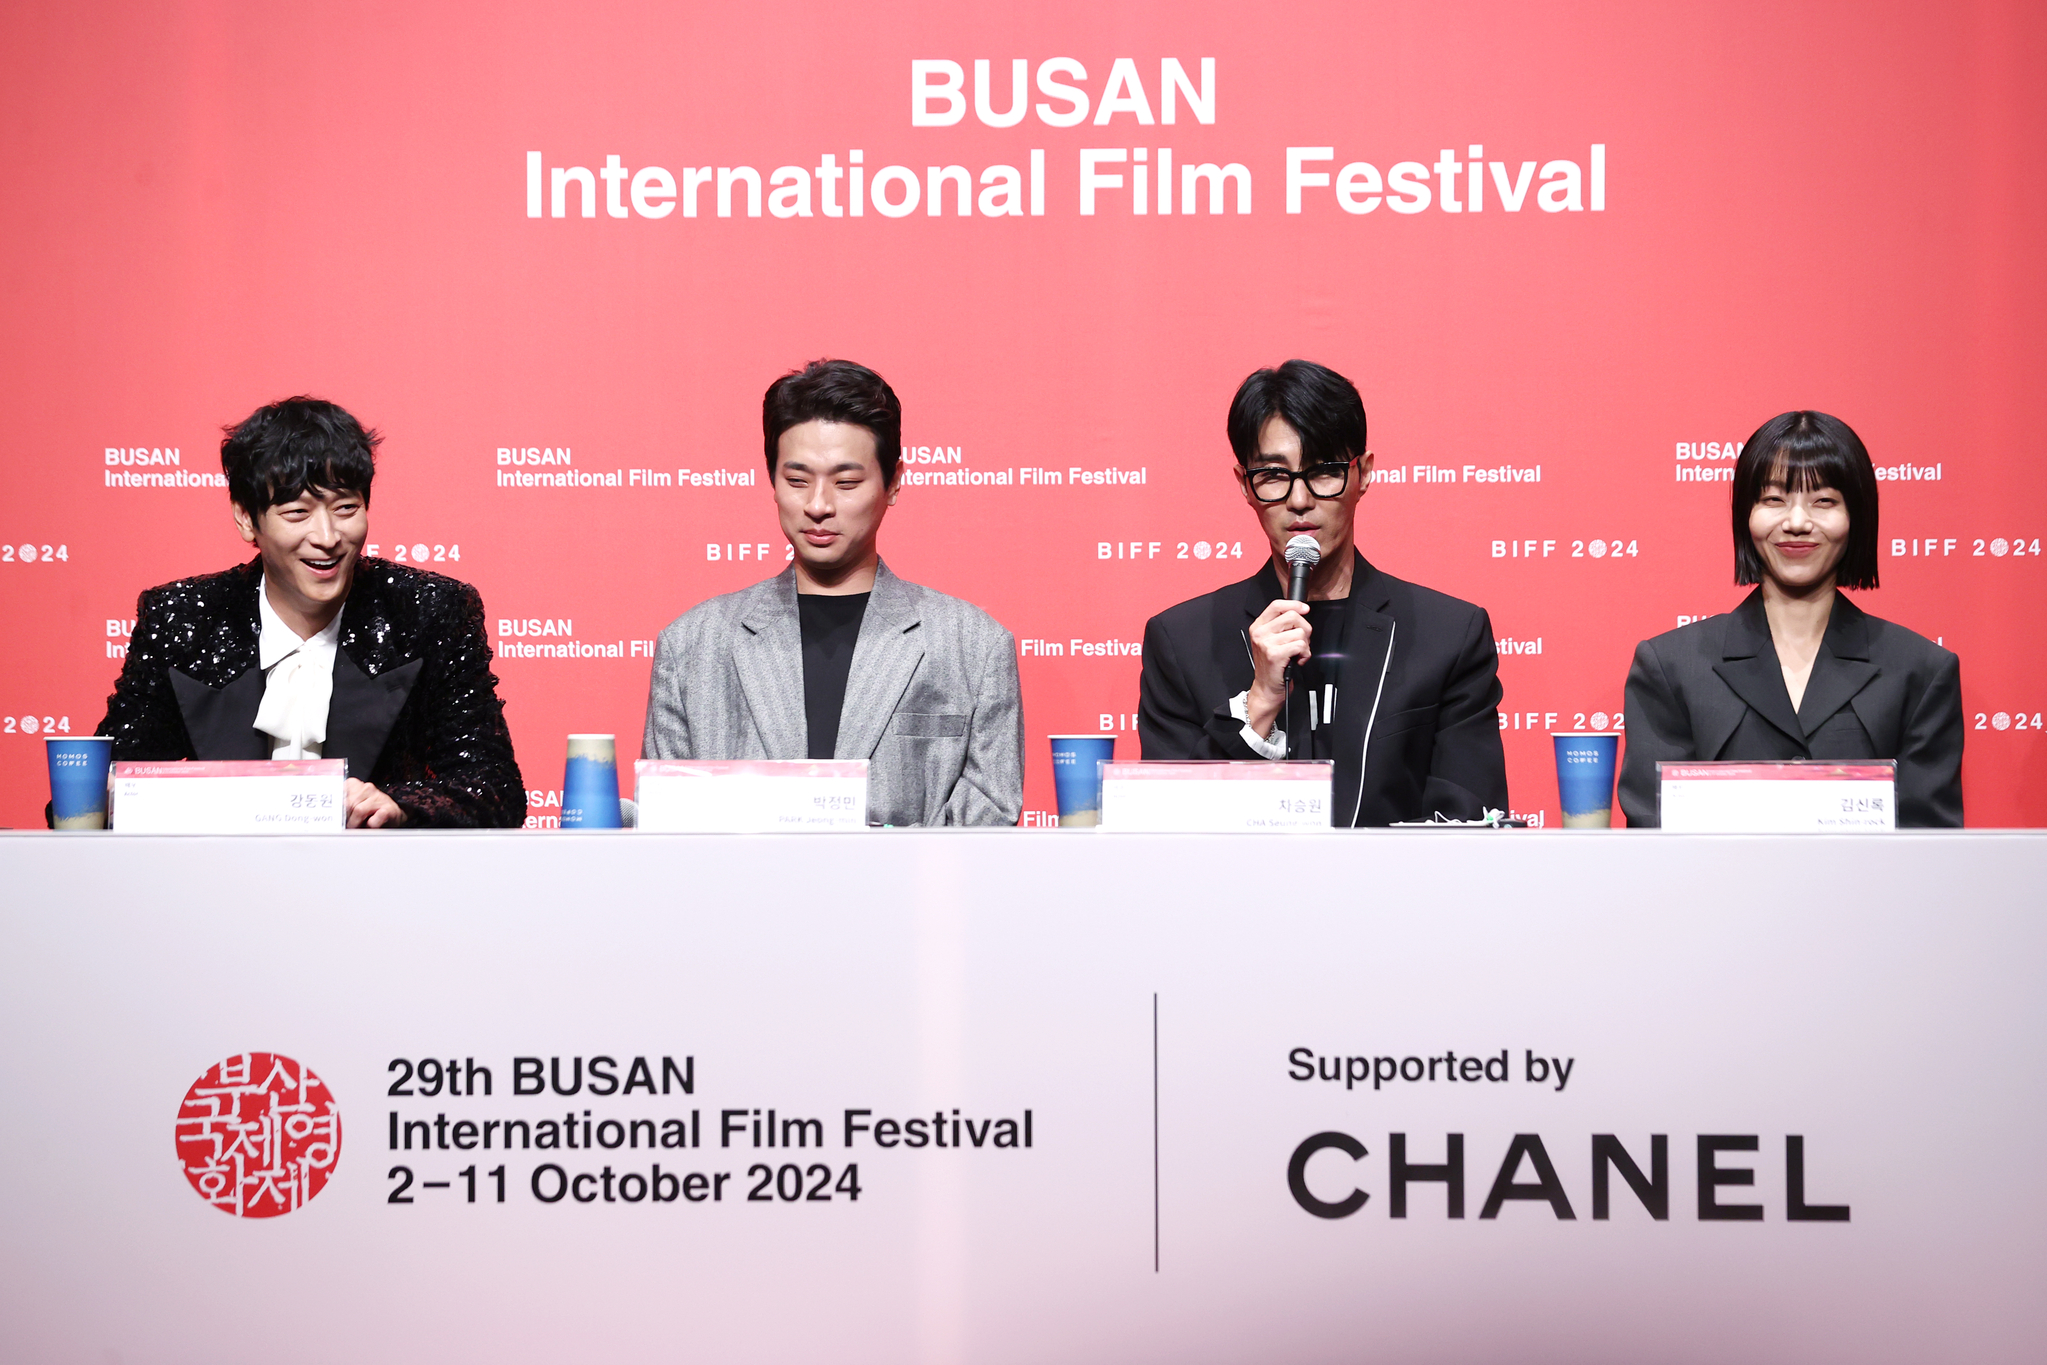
932, 701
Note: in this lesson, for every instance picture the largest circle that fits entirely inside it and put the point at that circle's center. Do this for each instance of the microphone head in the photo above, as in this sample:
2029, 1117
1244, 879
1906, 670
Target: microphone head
1303, 553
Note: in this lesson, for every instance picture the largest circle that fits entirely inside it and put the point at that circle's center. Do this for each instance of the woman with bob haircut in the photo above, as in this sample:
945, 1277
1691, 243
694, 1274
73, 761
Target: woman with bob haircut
1797, 670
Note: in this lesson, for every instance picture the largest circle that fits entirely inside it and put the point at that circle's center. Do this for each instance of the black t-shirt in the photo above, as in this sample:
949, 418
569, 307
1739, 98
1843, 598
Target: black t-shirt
831, 627
1318, 683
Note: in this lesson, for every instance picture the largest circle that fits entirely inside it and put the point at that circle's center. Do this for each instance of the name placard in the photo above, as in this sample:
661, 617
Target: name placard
750, 796
1219, 796
1779, 798
276, 796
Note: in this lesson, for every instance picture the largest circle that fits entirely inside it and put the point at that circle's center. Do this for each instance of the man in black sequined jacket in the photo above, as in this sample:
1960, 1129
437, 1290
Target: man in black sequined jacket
315, 650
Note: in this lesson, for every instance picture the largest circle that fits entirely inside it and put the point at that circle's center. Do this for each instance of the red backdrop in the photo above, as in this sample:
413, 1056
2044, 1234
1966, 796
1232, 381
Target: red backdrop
214, 205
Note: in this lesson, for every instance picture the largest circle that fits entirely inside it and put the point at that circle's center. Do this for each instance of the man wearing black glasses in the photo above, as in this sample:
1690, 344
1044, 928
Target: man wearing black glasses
1397, 684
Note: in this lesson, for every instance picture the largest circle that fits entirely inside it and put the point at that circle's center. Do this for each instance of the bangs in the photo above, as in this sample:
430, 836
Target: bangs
1801, 466
309, 467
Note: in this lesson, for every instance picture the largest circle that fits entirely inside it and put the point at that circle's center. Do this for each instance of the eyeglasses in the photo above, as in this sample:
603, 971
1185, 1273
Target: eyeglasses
1271, 485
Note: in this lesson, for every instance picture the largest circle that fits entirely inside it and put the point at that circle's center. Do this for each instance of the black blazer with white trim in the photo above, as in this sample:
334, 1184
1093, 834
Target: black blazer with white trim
1715, 690
1417, 721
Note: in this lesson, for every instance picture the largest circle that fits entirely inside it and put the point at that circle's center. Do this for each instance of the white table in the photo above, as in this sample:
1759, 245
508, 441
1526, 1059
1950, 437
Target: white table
1140, 997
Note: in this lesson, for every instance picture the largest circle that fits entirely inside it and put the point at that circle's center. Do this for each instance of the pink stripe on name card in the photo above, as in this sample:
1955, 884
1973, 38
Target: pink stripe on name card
1219, 770
271, 767
1778, 772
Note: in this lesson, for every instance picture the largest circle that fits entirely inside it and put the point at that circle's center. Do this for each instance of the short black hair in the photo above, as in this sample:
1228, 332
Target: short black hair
835, 391
278, 452
1315, 400
1804, 451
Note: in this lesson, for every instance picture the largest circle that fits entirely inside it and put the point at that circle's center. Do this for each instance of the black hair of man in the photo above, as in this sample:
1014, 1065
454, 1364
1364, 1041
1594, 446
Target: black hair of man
1314, 400
280, 452
835, 391
1801, 451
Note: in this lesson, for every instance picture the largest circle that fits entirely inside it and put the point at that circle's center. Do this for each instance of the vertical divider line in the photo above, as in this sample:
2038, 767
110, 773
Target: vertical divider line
1154, 1132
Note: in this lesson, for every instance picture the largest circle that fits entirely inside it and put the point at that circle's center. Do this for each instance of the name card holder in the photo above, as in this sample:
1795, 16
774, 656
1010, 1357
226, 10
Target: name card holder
1779, 798
1217, 797
277, 796
750, 796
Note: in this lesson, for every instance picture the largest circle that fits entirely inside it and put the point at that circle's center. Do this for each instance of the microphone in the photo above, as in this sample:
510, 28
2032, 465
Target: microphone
1302, 555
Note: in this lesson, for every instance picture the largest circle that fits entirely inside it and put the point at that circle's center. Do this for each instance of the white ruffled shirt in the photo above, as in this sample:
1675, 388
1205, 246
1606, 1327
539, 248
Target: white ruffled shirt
298, 686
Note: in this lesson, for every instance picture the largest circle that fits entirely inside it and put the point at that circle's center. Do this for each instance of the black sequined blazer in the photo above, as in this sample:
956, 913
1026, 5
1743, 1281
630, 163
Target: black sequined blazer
415, 709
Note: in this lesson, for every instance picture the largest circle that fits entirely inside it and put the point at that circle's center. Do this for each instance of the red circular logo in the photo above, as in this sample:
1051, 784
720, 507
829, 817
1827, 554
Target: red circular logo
258, 1135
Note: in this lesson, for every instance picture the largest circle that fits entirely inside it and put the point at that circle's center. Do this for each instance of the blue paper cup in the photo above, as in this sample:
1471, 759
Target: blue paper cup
1585, 772
1077, 776
78, 780
590, 787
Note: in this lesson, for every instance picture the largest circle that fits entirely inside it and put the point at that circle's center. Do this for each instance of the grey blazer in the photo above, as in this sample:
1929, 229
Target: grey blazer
1714, 690
932, 701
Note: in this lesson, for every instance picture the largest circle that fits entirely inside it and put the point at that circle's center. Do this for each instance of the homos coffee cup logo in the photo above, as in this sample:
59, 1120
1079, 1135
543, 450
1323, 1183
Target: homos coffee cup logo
258, 1135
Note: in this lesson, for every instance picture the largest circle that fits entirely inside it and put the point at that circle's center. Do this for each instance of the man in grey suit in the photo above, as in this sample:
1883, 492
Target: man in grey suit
836, 657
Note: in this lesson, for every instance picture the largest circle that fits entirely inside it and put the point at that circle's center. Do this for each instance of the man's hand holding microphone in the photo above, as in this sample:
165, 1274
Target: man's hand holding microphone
1280, 636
